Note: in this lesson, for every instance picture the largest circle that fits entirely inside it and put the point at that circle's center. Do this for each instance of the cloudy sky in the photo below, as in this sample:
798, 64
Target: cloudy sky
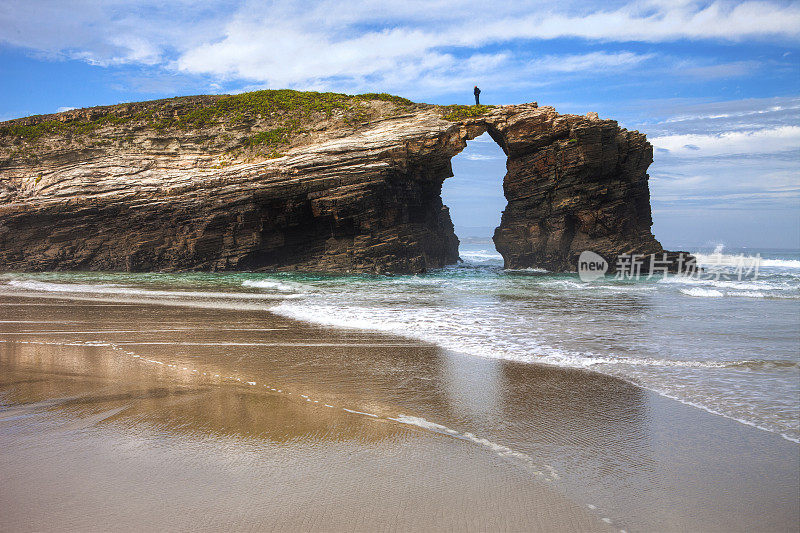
715, 85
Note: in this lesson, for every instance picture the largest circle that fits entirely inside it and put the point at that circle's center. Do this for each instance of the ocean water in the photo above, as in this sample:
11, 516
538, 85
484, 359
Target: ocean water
726, 345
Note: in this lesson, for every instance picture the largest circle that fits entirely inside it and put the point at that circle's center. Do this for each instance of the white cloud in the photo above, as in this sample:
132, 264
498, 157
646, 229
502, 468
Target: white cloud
66, 108
762, 141
734, 69
748, 110
588, 62
482, 157
108, 32
739, 156
363, 44
660, 21
287, 47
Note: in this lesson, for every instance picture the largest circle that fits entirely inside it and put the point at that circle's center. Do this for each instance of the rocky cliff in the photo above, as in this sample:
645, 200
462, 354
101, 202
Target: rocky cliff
277, 180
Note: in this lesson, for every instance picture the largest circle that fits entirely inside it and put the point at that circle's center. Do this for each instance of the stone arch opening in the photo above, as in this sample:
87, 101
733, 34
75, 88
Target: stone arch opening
474, 194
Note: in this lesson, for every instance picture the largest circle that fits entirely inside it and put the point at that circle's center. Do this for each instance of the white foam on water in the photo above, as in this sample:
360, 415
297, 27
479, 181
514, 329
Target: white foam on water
743, 285
718, 413
81, 288
491, 333
436, 329
702, 293
482, 340
542, 471
471, 314
272, 285
746, 294
596, 286
734, 260
782, 263
481, 256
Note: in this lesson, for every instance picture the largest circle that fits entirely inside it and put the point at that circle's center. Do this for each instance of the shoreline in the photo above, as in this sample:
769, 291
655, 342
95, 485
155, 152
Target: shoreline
216, 301
562, 428
589, 370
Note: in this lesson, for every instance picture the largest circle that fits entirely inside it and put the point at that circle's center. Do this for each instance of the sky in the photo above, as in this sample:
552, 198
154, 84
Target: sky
715, 85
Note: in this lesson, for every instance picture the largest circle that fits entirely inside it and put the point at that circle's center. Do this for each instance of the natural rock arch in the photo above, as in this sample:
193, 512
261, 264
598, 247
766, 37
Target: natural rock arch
573, 183
347, 198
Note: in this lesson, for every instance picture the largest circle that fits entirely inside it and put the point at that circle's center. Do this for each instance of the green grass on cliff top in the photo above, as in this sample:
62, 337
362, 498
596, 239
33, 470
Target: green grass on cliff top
199, 112
455, 113
285, 111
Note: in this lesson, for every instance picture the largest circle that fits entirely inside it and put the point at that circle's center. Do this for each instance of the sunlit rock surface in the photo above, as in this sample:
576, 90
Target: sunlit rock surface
332, 183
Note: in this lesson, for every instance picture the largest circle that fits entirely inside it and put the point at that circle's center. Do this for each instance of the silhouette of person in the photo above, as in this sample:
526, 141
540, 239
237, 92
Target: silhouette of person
477, 95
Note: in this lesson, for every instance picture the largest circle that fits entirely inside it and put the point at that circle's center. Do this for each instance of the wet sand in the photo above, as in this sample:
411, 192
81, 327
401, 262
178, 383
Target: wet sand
150, 417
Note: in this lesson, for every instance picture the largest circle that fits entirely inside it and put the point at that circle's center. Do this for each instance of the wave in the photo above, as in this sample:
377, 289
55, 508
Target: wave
481, 256
490, 334
787, 436
745, 261
768, 284
272, 285
436, 330
783, 263
589, 361
764, 365
544, 472
702, 293
81, 288
479, 311
747, 294
609, 285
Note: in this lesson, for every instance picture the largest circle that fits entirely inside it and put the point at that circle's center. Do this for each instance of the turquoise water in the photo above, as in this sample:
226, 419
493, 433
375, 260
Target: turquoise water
728, 346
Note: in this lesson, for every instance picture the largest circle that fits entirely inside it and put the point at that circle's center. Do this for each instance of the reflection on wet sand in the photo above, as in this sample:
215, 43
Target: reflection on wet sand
101, 428
176, 409
274, 422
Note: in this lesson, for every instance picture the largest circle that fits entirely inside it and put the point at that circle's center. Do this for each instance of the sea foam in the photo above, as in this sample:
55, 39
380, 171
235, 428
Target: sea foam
112, 289
702, 293
271, 285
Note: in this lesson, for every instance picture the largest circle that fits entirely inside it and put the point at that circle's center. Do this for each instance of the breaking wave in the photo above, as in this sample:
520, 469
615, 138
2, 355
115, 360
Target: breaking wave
271, 285
111, 289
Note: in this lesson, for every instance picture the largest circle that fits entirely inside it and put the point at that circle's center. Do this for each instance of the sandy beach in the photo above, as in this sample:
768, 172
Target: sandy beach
346, 266
135, 416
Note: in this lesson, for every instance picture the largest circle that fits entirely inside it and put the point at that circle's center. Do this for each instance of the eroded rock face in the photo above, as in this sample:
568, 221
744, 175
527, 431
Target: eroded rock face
365, 198
573, 184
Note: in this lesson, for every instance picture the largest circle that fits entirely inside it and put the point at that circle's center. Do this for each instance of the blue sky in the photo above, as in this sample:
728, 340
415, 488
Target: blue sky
715, 85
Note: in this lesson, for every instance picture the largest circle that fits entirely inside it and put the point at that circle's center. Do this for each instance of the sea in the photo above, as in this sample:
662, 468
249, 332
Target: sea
725, 340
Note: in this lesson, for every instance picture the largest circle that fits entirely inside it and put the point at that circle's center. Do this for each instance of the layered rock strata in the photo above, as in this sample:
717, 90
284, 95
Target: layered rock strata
352, 186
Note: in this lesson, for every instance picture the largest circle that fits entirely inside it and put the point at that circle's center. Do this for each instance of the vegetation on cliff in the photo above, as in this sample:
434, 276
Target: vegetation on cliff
454, 113
258, 122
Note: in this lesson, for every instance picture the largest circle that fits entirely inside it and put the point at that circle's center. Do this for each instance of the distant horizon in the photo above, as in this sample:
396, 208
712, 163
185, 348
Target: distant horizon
485, 234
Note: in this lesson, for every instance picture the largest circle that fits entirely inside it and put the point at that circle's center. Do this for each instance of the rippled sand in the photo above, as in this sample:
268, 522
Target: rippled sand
134, 416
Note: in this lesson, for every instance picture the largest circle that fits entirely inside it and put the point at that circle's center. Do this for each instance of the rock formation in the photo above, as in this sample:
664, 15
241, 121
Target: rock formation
279, 180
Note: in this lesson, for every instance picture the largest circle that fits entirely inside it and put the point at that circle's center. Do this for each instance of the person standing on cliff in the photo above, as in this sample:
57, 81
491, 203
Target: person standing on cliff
477, 93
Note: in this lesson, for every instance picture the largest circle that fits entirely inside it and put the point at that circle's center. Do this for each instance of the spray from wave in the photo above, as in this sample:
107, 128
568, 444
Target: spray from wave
719, 258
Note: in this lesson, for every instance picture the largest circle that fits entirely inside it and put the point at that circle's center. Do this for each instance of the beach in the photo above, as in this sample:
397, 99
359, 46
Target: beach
157, 416
273, 266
